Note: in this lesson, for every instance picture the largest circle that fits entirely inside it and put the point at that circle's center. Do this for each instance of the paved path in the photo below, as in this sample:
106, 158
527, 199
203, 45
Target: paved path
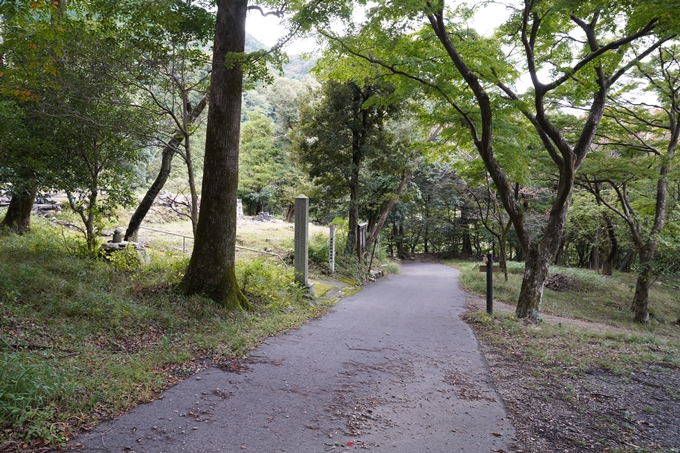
390, 369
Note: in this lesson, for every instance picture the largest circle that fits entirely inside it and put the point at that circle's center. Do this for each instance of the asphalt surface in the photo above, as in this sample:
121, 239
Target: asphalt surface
390, 369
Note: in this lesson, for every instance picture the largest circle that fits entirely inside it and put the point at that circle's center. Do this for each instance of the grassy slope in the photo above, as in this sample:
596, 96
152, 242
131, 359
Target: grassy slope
601, 300
82, 340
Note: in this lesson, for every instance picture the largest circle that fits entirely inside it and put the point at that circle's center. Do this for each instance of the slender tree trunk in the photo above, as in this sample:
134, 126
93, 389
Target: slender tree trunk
212, 268
627, 262
595, 258
290, 213
401, 254
350, 246
18, 215
608, 263
465, 230
558, 255
383, 216
162, 177
151, 194
640, 303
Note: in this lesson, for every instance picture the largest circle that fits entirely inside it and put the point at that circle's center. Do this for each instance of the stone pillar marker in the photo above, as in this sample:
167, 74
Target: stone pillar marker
331, 252
302, 240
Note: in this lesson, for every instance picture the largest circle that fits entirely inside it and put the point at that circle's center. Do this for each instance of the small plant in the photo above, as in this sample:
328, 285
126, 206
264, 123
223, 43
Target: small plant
392, 267
268, 284
25, 389
127, 260
319, 249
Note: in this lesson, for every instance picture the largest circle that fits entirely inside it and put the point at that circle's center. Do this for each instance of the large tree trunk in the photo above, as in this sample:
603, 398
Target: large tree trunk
212, 268
538, 258
18, 215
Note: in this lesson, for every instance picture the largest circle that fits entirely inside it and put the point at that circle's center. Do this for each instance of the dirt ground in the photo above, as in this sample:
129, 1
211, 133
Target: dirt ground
596, 412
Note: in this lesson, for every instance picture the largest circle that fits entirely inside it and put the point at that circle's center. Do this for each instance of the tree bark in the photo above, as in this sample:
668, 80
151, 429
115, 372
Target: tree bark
627, 262
162, 177
640, 303
608, 263
594, 258
538, 258
151, 194
383, 216
18, 215
212, 268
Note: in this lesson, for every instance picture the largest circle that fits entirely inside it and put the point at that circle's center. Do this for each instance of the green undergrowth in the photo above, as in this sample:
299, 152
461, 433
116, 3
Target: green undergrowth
554, 348
83, 339
602, 338
594, 297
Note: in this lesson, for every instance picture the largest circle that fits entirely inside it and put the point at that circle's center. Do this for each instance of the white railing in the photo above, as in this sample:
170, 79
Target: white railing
184, 238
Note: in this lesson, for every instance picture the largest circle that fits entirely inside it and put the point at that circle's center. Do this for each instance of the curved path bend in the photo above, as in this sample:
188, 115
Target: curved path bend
390, 369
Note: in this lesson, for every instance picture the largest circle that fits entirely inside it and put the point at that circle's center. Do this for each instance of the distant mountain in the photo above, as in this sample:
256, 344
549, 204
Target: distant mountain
297, 67
253, 44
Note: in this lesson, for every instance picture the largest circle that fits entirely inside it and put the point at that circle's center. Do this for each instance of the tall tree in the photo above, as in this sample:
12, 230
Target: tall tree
641, 149
172, 69
212, 268
338, 134
30, 38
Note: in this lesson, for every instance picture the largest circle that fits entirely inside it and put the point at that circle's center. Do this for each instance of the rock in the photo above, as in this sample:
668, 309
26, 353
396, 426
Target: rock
561, 282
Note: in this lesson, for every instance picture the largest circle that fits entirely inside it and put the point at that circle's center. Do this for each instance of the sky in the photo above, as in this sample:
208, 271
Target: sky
268, 29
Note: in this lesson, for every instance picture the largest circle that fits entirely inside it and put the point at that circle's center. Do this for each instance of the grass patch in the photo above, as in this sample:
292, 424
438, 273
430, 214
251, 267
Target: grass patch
82, 340
599, 298
554, 349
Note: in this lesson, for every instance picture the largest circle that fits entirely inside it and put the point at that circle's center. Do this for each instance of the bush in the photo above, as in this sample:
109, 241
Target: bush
266, 283
319, 249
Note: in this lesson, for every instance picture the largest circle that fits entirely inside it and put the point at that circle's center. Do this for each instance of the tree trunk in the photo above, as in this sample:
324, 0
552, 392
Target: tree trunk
399, 239
538, 258
350, 246
627, 262
18, 215
193, 209
151, 194
595, 258
383, 216
163, 174
535, 272
290, 213
466, 248
640, 304
212, 268
560, 252
608, 263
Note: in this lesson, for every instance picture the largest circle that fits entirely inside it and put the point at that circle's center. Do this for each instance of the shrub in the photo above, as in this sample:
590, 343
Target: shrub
268, 284
319, 249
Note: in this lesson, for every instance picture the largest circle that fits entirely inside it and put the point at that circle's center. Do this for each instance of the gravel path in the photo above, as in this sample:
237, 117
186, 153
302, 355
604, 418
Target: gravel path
390, 369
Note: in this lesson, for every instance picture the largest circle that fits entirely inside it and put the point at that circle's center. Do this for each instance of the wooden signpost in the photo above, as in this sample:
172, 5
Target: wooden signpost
489, 268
